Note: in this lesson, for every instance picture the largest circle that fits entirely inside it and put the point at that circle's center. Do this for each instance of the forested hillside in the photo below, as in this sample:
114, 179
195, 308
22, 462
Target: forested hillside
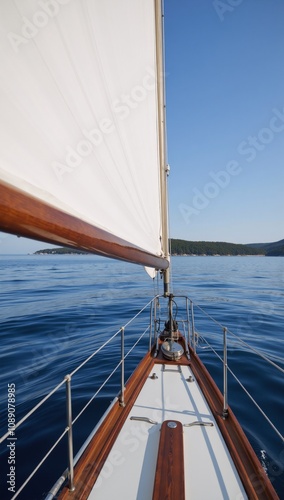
271, 249
182, 247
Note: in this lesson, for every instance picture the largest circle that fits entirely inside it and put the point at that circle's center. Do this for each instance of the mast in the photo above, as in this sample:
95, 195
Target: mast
164, 168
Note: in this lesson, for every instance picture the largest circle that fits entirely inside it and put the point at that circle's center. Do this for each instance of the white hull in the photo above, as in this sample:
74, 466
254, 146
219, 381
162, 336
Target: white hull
130, 467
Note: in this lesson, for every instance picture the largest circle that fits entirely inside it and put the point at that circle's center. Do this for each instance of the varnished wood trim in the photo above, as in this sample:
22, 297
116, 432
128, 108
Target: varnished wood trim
24, 215
94, 457
252, 474
255, 481
169, 477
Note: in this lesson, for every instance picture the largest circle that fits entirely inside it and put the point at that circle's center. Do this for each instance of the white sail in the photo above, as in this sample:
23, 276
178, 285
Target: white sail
79, 111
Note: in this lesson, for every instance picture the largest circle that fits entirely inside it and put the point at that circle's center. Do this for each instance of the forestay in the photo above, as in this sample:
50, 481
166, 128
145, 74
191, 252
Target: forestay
79, 112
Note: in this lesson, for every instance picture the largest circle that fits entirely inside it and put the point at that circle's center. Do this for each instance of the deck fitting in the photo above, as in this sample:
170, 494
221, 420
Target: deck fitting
172, 425
225, 414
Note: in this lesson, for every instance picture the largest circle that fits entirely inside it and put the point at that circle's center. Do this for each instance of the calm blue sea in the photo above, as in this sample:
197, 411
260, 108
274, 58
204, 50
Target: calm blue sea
56, 310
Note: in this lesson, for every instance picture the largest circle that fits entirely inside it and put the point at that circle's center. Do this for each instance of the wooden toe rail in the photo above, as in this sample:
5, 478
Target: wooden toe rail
169, 479
95, 455
251, 472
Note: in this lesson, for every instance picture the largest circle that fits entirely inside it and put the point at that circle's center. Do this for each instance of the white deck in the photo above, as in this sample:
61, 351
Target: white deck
130, 469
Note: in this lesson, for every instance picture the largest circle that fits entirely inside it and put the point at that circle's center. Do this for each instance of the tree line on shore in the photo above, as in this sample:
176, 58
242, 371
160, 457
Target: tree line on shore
184, 247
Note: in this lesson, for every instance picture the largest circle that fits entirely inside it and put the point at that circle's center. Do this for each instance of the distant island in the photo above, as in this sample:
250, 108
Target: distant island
192, 248
60, 251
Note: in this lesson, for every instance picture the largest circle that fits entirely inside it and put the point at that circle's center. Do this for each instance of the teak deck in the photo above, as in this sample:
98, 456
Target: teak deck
169, 477
253, 477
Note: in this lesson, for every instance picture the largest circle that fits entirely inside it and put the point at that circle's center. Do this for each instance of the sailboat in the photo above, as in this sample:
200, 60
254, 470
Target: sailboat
84, 164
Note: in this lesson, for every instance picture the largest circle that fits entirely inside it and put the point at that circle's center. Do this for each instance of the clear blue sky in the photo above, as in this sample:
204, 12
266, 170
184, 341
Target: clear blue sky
225, 120
225, 103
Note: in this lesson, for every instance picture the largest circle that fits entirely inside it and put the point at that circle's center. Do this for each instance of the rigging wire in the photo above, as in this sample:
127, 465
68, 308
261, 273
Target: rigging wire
241, 341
